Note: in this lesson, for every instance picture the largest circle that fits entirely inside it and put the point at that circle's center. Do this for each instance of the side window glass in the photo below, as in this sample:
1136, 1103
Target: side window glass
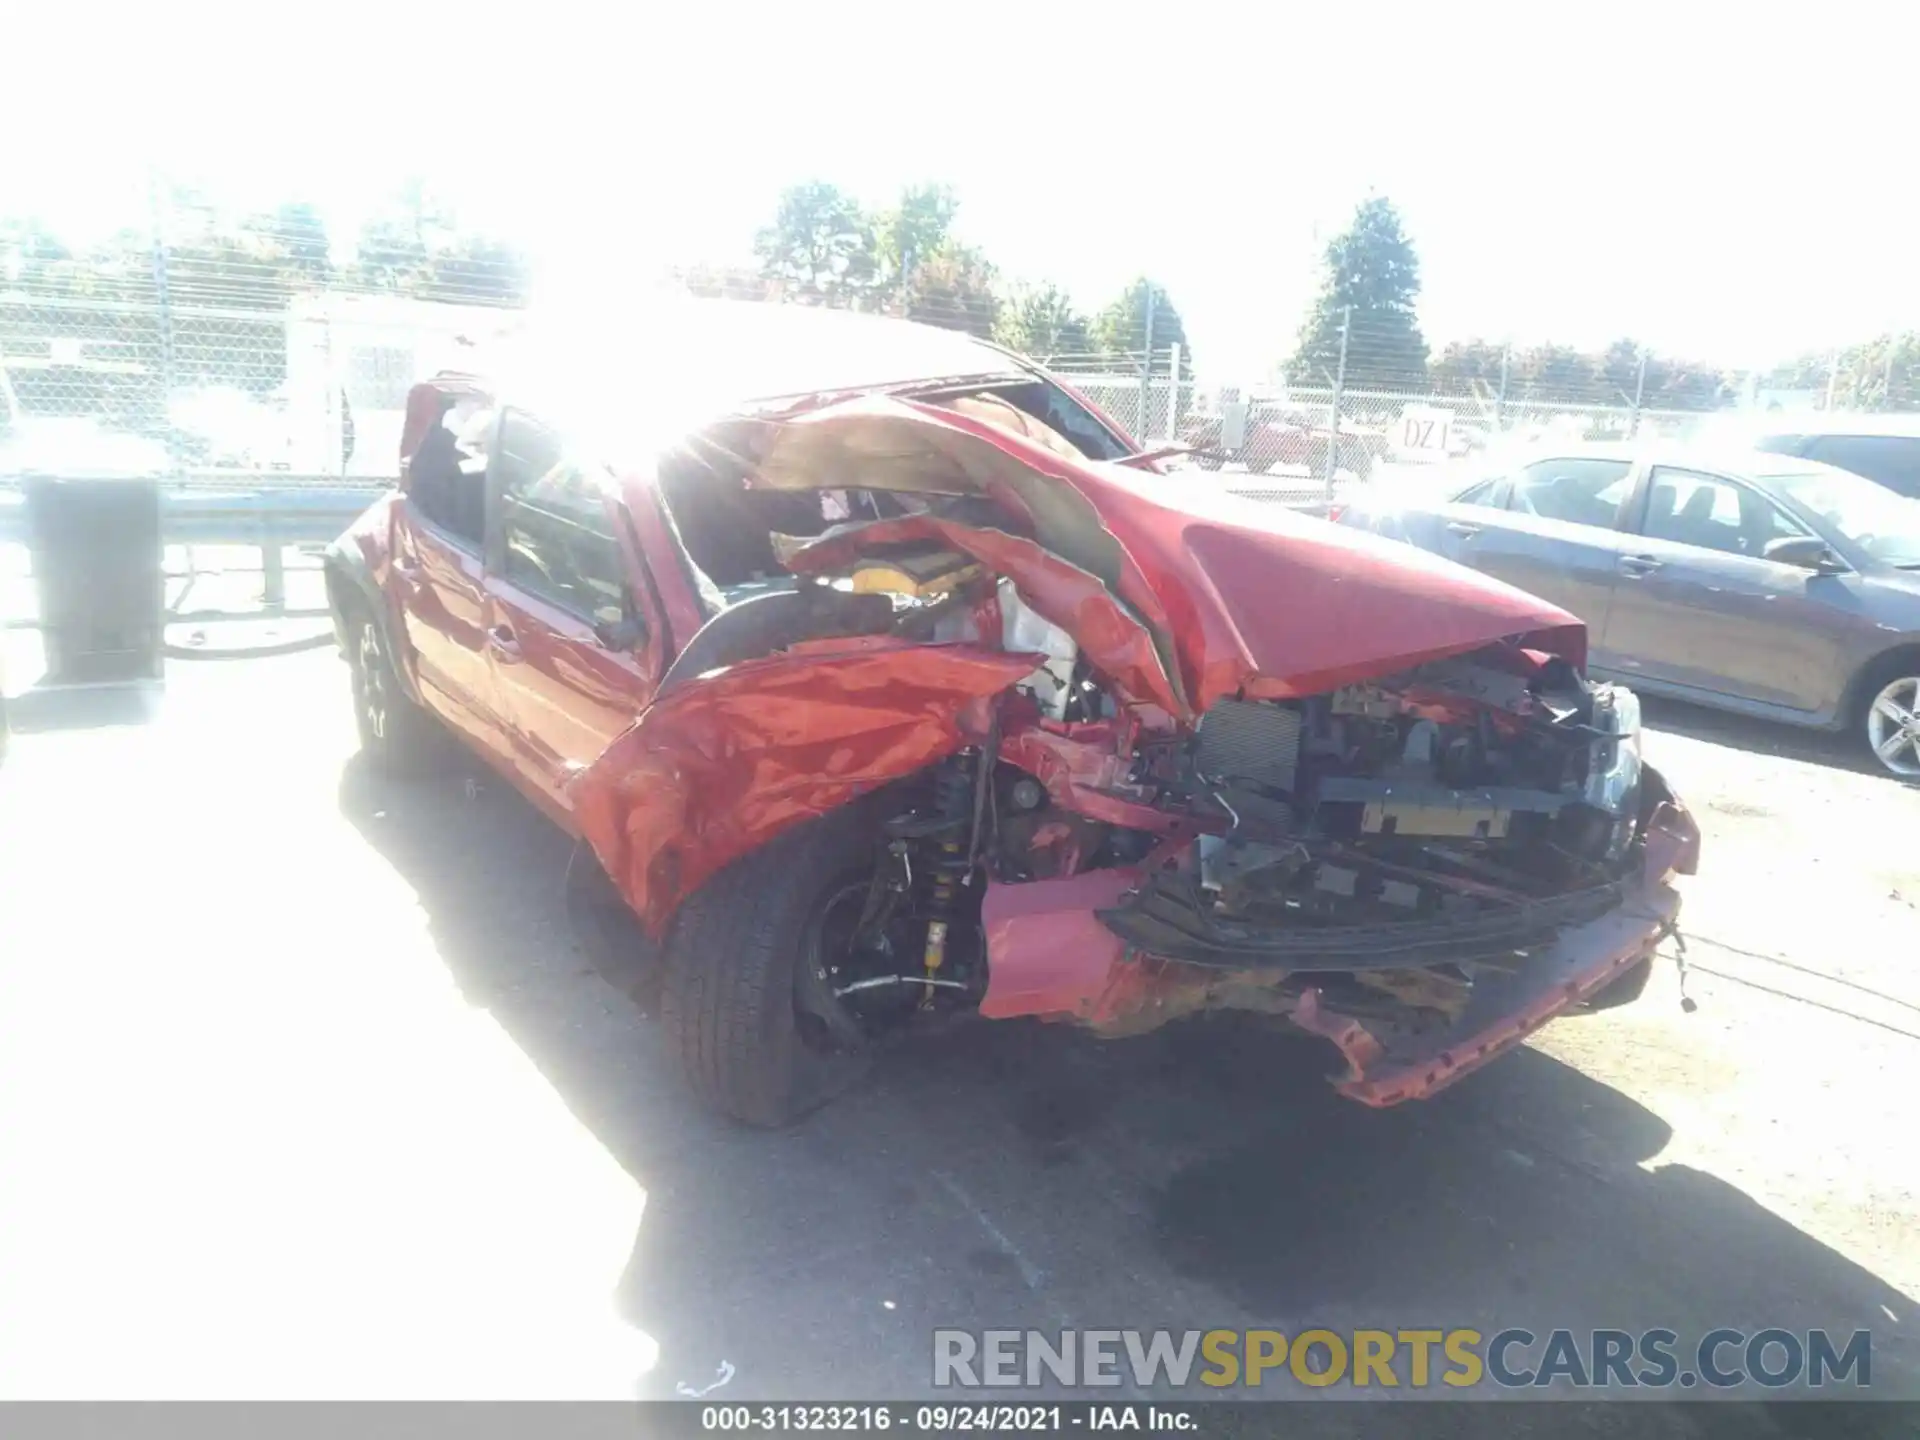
556, 540
1070, 418
446, 475
1713, 513
1762, 522
1487, 492
1579, 492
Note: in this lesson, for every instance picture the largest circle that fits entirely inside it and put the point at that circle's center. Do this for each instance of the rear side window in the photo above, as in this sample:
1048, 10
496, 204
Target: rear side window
446, 471
1892, 460
556, 540
1580, 492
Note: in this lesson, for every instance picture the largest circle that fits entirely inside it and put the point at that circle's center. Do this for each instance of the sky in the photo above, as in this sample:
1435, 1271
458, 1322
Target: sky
1708, 179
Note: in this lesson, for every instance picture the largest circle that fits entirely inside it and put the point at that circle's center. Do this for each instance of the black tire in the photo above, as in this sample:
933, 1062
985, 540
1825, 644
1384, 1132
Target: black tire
1874, 678
737, 990
1258, 467
395, 734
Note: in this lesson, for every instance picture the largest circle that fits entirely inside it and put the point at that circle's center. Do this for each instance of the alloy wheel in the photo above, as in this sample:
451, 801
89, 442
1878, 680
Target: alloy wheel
370, 673
1893, 726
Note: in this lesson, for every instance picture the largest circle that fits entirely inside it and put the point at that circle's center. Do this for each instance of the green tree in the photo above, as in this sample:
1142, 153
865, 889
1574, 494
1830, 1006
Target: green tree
727, 282
33, 259
913, 232
1689, 385
1618, 372
1042, 322
953, 287
1878, 374
1120, 330
821, 246
1559, 373
416, 245
391, 254
476, 269
298, 234
1371, 271
1668, 384
1468, 367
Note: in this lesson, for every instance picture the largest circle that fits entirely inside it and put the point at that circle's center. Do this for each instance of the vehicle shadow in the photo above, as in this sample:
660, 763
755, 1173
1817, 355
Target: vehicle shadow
1023, 1176
1762, 737
42, 709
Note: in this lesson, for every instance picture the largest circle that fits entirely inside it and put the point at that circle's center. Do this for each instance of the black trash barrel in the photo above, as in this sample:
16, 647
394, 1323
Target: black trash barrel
97, 566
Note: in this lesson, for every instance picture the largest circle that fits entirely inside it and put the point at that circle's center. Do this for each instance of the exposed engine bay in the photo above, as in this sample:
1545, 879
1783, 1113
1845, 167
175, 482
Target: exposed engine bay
1387, 844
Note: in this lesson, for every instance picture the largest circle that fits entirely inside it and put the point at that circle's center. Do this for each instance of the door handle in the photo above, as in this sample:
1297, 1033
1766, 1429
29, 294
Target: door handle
503, 642
1638, 565
1462, 529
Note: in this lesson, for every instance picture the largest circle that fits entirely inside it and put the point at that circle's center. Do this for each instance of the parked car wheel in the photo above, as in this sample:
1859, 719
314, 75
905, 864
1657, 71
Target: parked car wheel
1892, 715
748, 1002
394, 732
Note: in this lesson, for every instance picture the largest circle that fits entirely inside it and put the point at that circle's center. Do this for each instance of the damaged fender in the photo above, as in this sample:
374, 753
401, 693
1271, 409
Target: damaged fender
721, 766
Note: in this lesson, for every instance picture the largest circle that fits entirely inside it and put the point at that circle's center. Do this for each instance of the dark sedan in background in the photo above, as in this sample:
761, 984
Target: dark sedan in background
1885, 448
1770, 585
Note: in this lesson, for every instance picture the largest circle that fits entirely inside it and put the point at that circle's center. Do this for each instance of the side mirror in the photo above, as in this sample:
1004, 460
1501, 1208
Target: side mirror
1808, 552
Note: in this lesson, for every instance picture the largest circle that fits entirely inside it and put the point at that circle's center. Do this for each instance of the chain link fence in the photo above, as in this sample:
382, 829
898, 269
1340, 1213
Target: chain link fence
316, 389
204, 347
1277, 446
204, 344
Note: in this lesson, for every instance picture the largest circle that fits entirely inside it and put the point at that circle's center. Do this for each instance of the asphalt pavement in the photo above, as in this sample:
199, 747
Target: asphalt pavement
309, 1088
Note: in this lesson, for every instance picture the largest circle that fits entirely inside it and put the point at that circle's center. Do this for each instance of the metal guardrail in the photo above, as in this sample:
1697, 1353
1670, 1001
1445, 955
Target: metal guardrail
267, 509
271, 511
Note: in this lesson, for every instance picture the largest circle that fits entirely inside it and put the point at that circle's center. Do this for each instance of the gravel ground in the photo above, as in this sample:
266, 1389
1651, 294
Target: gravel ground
307, 1090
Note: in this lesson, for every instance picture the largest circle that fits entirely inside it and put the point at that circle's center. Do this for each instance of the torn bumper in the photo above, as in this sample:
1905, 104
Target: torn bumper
1051, 957
1502, 1013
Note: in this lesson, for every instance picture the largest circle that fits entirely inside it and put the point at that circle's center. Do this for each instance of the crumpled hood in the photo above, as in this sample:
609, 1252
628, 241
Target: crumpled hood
1232, 594
1285, 604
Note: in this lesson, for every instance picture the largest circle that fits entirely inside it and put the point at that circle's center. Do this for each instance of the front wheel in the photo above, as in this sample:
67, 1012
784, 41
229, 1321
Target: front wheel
752, 966
1892, 720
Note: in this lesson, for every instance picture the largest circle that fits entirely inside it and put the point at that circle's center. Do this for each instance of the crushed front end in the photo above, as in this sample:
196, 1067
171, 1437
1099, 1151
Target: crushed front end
1421, 869
1113, 751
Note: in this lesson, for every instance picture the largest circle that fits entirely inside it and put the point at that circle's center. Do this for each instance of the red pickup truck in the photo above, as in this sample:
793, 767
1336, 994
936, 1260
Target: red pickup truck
889, 683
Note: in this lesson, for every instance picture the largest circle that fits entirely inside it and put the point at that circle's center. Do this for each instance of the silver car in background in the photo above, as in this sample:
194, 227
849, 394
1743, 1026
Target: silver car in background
1769, 585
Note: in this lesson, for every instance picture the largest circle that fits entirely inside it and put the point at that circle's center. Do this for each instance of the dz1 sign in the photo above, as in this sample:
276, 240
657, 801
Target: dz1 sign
1423, 434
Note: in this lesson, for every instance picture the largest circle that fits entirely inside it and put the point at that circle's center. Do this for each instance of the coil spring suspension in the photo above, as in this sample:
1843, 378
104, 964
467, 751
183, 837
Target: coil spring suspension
953, 801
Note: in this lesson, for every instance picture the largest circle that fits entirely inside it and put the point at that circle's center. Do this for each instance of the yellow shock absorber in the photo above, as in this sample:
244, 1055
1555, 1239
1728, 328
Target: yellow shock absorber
942, 901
